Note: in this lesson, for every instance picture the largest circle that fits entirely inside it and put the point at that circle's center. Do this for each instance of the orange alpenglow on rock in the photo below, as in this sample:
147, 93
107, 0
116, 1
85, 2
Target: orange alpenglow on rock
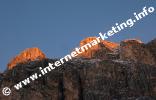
110, 46
29, 54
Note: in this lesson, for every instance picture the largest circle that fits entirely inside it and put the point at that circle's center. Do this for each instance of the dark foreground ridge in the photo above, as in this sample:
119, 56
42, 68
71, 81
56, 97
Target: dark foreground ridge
126, 73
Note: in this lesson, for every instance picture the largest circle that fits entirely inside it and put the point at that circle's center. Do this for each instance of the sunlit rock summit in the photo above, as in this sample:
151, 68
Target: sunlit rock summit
103, 47
27, 55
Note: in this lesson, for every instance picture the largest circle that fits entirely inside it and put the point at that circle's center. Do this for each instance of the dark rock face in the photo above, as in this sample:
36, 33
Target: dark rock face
85, 80
125, 77
138, 52
152, 48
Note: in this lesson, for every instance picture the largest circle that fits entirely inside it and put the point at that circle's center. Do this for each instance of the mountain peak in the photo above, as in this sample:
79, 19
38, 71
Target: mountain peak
29, 54
104, 44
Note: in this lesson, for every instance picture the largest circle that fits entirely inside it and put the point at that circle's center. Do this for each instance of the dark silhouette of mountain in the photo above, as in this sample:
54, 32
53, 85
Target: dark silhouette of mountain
126, 72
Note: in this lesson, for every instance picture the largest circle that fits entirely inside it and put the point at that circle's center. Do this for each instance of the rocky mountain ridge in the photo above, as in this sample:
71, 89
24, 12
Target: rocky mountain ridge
127, 72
